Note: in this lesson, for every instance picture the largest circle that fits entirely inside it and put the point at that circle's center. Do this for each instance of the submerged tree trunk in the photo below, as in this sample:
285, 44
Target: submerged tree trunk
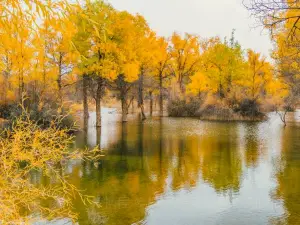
123, 87
132, 106
151, 103
143, 112
141, 96
124, 109
161, 103
100, 86
98, 138
98, 111
85, 100
282, 116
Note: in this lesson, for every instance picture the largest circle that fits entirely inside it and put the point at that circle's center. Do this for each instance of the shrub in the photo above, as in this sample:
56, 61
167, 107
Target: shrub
183, 108
43, 116
216, 112
216, 109
249, 108
26, 149
6, 110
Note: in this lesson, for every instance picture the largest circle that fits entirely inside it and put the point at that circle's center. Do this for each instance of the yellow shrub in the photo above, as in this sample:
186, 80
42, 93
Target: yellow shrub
25, 149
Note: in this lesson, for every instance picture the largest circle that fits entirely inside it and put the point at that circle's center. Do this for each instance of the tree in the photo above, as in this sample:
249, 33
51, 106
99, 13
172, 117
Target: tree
282, 98
273, 13
201, 83
223, 63
144, 40
162, 67
287, 58
19, 51
98, 20
57, 58
24, 51
185, 57
282, 19
128, 65
259, 73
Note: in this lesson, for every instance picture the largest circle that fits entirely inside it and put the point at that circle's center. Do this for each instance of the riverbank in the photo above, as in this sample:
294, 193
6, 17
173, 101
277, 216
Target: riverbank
111, 113
217, 111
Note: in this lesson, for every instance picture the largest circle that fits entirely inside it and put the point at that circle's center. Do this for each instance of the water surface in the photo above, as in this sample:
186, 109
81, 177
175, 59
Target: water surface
189, 172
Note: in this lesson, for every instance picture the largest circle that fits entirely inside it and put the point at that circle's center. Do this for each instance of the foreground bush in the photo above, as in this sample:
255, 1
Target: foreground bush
28, 148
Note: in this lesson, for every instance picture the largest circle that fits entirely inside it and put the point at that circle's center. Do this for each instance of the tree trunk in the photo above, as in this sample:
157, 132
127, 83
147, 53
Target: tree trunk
132, 106
98, 111
181, 87
59, 88
85, 100
124, 89
151, 103
282, 116
98, 139
143, 112
141, 96
161, 101
21, 87
59, 78
221, 93
124, 109
98, 100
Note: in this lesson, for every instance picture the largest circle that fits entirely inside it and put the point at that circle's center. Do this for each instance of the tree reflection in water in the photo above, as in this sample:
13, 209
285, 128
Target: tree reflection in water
148, 163
287, 175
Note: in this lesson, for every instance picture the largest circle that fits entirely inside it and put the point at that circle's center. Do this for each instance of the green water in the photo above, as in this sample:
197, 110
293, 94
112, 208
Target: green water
191, 172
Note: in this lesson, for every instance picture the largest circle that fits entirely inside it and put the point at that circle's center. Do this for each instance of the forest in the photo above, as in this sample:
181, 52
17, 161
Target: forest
59, 57
61, 60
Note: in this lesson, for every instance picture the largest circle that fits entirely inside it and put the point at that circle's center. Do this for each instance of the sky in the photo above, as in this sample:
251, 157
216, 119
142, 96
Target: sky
206, 18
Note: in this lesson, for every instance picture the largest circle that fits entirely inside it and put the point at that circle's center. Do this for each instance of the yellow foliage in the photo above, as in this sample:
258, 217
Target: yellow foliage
27, 149
185, 53
201, 83
48, 47
277, 88
131, 71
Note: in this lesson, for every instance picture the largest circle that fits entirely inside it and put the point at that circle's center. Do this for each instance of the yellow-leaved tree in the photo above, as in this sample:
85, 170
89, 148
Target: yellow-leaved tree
127, 29
96, 42
186, 58
223, 64
162, 68
259, 74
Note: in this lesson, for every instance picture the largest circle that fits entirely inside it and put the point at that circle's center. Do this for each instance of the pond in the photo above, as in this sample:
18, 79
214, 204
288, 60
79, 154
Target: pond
188, 172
